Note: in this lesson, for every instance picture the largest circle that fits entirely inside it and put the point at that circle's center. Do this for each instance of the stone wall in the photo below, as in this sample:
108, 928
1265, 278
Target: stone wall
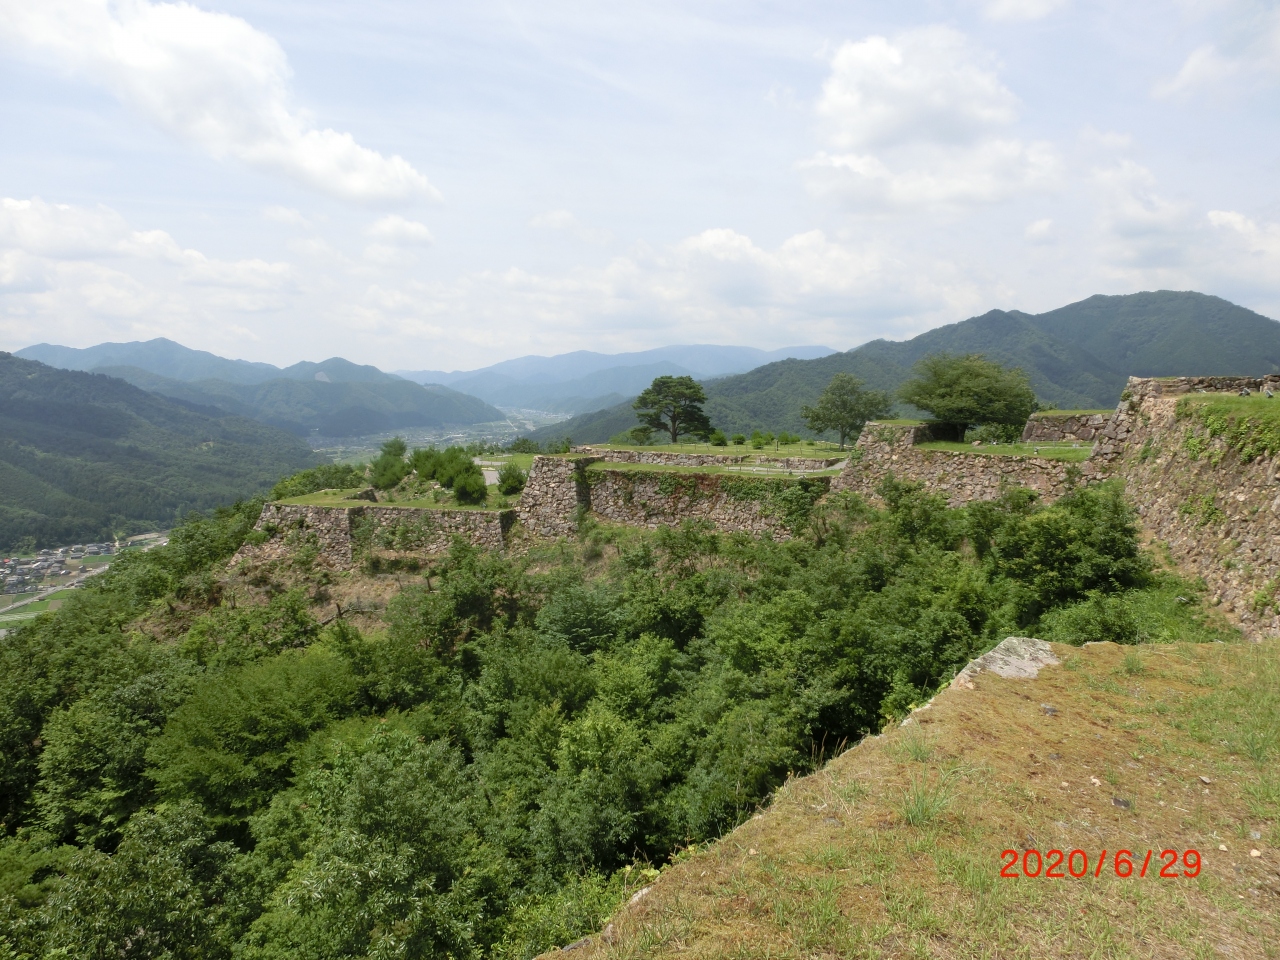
885, 449
731, 503
553, 495
342, 535
803, 464
1048, 427
558, 490
1219, 516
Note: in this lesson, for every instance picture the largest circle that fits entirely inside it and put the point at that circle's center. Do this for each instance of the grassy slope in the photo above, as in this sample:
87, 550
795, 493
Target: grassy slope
82, 455
1077, 356
893, 849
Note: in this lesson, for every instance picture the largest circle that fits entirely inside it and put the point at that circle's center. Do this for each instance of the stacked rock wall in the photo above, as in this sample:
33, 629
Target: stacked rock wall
731, 503
885, 449
340, 535
553, 495
1048, 427
661, 457
1218, 515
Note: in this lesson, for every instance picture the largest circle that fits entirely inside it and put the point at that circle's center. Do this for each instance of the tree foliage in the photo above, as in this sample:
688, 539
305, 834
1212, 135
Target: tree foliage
673, 405
969, 390
845, 406
474, 777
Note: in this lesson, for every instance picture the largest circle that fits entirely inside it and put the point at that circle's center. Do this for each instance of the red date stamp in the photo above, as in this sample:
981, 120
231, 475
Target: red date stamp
1059, 865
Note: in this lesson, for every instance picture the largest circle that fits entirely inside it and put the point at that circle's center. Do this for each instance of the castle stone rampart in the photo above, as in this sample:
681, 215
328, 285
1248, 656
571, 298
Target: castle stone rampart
885, 449
340, 534
1050, 427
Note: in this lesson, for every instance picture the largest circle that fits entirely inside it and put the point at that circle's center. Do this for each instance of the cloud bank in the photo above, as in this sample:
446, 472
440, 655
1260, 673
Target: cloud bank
211, 80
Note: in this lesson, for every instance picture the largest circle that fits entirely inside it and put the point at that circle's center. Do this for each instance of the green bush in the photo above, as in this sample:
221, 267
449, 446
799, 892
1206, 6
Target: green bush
511, 479
717, 439
331, 476
738, 439
469, 486
524, 445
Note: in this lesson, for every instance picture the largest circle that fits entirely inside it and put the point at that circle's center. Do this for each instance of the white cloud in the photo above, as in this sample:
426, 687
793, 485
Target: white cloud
1038, 231
395, 229
209, 79
1249, 50
67, 269
1020, 9
565, 222
925, 121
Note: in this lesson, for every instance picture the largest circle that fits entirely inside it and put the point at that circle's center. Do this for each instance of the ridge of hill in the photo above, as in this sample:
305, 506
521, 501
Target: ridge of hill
1077, 357
334, 408
896, 848
85, 456
584, 381
173, 361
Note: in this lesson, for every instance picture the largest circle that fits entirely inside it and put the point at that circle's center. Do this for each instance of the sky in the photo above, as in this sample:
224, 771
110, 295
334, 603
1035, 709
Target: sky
430, 185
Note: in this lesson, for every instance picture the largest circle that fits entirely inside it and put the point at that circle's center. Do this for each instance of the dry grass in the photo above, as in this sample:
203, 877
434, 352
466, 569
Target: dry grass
893, 849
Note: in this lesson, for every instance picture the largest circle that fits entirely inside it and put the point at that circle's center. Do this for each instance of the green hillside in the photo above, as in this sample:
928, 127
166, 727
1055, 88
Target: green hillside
335, 407
84, 456
1077, 356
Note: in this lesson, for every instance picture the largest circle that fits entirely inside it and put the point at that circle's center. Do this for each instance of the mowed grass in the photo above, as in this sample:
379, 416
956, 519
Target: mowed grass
894, 848
1054, 450
819, 448
342, 498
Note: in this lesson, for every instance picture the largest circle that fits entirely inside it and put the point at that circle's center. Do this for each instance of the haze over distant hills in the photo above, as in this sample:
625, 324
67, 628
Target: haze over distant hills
336, 398
84, 456
583, 381
1077, 356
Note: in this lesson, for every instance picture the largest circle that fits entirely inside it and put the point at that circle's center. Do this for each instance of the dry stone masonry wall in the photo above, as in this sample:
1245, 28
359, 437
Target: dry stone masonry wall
341, 535
1049, 427
1218, 515
885, 449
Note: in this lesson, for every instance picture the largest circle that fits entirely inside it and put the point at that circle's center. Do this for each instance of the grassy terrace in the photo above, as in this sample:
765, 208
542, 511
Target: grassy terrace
1057, 450
1071, 413
895, 848
746, 469
342, 498
1249, 425
817, 449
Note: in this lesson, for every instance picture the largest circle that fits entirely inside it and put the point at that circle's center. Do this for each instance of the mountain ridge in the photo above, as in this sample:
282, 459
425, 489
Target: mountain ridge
1153, 333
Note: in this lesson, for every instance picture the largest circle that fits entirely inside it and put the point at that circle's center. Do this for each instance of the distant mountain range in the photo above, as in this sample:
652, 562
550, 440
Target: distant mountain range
1077, 356
335, 398
583, 381
85, 456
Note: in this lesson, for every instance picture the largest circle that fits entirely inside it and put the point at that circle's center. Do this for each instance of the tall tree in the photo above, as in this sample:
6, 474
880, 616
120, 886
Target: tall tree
969, 390
845, 406
674, 405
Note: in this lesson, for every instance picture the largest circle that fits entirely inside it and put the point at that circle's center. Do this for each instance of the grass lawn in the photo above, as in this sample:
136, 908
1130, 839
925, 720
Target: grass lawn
819, 448
1055, 450
340, 498
1071, 413
1249, 425
895, 848
745, 469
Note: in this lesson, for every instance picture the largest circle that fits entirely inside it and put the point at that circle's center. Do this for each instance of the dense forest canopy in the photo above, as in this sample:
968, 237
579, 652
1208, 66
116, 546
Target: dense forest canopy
88, 457
195, 766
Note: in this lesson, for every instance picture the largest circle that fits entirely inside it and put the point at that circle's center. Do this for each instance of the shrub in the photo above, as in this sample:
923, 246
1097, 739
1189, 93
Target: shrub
718, 439
524, 445
469, 487
330, 476
739, 439
511, 479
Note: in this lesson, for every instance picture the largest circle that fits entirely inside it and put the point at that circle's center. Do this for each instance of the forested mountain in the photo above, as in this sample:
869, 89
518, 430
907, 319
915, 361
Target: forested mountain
1077, 356
334, 408
84, 456
584, 381
176, 362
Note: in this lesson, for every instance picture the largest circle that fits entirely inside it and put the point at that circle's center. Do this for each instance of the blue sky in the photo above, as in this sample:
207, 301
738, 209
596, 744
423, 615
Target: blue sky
432, 185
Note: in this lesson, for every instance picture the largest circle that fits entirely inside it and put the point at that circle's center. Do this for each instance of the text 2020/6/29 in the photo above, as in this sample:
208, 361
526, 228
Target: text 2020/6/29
1057, 865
